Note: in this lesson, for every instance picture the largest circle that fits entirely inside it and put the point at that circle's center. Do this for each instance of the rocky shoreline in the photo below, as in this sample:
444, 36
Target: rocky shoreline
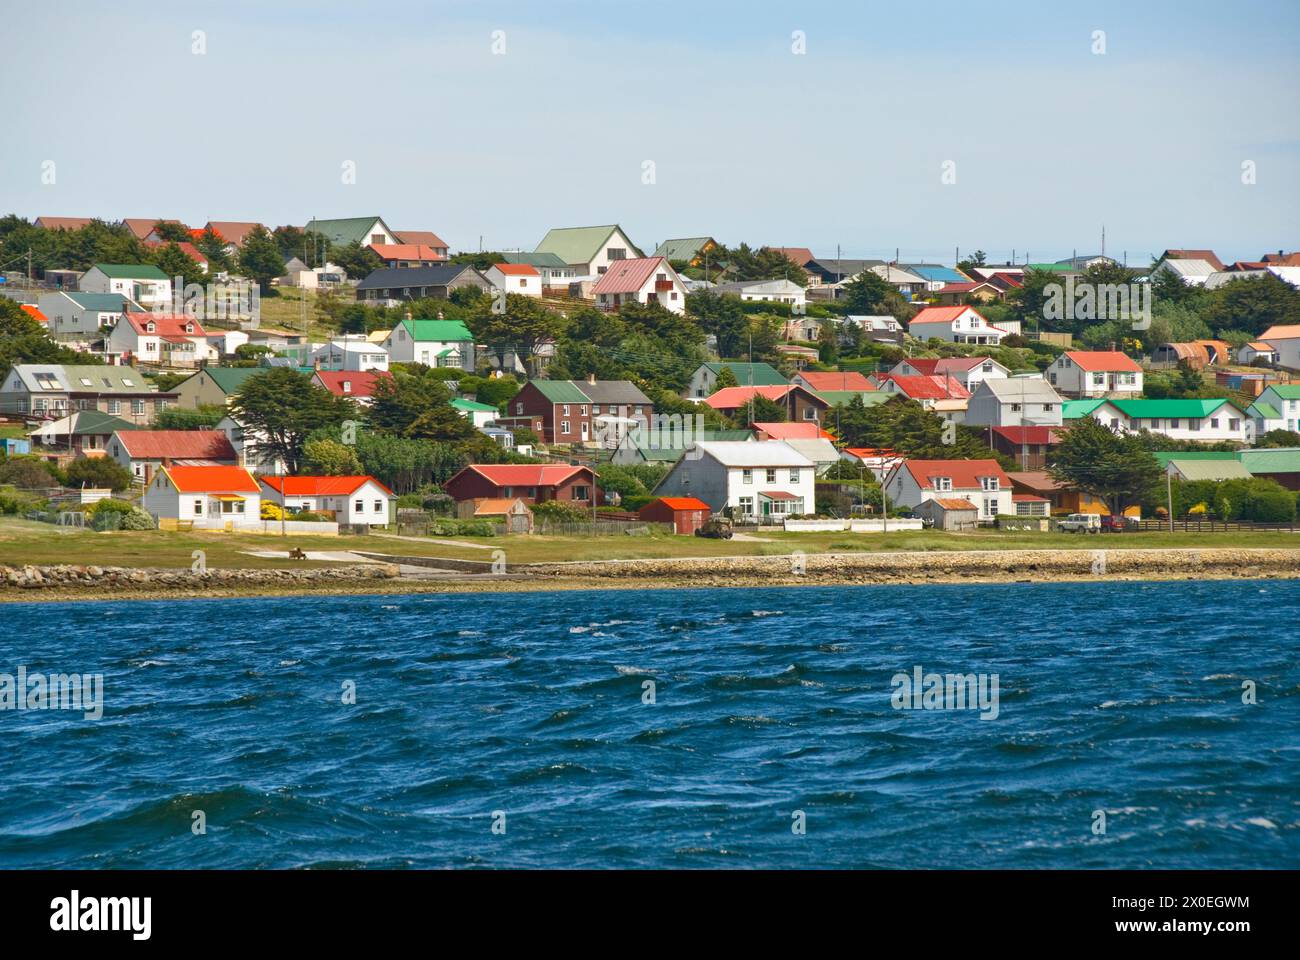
77, 582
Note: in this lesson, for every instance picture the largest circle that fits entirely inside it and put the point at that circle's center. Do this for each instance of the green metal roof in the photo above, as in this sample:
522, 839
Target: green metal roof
1287, 391
1265, 411
560, 391
97, 301
130, 271
230, 379
687, 248
1074, 409
1274, 460
460, 403
837, 398
441, 331
534, 259
346, 230
1164, 457
1195, 469
751, 374
1177, 409
581, 244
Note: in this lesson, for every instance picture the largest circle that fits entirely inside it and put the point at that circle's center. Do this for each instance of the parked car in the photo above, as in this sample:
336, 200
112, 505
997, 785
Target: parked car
1113, 524
1080, 523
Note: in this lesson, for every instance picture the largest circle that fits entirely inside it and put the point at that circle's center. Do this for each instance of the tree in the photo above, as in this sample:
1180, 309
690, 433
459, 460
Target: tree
24, 340
867, 293
330, 458
398, 401
212, 246
98, 472
184, 418
175, 262
759, 409
260, 259
281, 407
1115, 467
726, 378
976, 259
906, 426
722, 316
1252, 303
522, 329
357, 261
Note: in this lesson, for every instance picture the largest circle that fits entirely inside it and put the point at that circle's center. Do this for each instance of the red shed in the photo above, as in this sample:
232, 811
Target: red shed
686, 514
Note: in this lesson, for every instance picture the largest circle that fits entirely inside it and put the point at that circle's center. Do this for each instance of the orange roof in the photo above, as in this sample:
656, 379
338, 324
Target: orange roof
835, 380
176, 445
34, 311
684, 503
804, 430
301, 486
211, 479
964, 474
494, 506
1095, 360
1284, 331
730, 398
232, 231
950, 504
406, 251
1261, 346
522, 269
525, 474
187, 248
941, 314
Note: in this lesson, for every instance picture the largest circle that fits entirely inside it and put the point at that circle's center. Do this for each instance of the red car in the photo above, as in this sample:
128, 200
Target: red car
1113, 524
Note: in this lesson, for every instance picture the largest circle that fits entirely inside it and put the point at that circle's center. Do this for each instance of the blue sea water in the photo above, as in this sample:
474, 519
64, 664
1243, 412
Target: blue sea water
529, 711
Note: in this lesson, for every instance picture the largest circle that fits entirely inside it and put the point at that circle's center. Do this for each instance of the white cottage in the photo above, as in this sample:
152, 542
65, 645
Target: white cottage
759, 480
352, 500
982, 483
213, 497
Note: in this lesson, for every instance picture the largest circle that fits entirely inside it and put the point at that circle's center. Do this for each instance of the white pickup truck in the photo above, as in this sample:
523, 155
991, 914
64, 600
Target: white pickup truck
1080, 523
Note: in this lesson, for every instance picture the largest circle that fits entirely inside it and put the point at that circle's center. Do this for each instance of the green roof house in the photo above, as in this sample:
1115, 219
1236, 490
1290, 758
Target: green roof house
434, 343
362, 230
589, 250
1201, 420
688, 249
1284, 399
704, 380
214, 386
142, 282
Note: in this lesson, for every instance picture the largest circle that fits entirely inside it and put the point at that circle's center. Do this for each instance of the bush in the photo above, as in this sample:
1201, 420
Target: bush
98, 472
561, 511
308, 516
110, 506
442, 527
27, 473
10, 504
271, 511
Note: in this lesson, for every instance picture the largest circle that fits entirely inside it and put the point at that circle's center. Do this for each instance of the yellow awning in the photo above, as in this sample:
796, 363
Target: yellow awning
227, 496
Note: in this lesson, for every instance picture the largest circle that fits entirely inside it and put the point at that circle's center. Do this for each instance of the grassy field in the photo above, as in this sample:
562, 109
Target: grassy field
286, 311
24, 541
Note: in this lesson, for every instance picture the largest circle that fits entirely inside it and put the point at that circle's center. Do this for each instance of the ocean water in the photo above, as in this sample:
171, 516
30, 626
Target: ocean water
514, 730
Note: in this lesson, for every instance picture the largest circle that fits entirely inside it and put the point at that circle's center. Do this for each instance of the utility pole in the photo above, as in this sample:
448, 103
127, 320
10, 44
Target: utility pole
1169, 496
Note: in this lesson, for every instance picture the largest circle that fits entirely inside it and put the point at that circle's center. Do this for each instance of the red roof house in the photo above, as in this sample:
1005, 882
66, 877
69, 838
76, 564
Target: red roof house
532, 483
142, 452
357, 384
833, 380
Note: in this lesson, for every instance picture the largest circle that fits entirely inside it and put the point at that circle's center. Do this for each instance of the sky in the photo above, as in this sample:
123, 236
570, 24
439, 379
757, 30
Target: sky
925, 128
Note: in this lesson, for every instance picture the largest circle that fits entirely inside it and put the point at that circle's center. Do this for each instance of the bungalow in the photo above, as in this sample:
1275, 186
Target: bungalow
959, 324
49, 391
1274, 463
357, 500
1284, 398
666, 446
704, 381
1257, 351
530, 482
521, 278
233, 232
821, 381
879, 460
143, 452
879, 328
1014, 402
589, 251
957, 294
1208, 256
1285, 339
213, 497
1190, 468
142, 283
1061, 497
169, 339
578, 411
1205, 421
689, 250
981, 482
82, 434
363, 231
787, 430
936, 276
925, 390
479, 414
773, 291
392, 285
434, 343
968, 371
556, 275
1193, 273
406, 254
768, 479
643, 280
906, 282
213, 386
686, 514
76, 315
354, 353
835, 271
1095, 373
356, 385
800, 403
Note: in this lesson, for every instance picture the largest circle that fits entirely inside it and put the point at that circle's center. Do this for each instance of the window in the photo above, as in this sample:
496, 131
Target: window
564, 426
137, 407
990, 507
1234, 424
810, 413
564, 409
595, 409
519, 408
989, 483
523, 281
582, 410
114, 406
942, 483
87, 382
771, 476
616, 253
746, 476
747, 506
673, 295
580, 492
359, 506
794, 474
1214, 423
198, 508
1174, 424
379, 506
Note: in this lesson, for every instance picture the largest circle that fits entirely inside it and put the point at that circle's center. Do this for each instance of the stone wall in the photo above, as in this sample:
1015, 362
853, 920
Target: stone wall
126, 578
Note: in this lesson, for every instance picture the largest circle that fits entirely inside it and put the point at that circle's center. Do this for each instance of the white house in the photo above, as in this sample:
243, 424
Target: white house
141, 282
170, 339
1285, 399
434, 343
479, 414
354, 352
1285, 339
206, 496
1095, 373
642, 280
757, 479
1257, 350
956, 325
776, 291
589, 251
1194, 273
76, 315
1205, 421
143, 452
520, 278
880, 326
968, 371
1014, 402
352, 500
982, 483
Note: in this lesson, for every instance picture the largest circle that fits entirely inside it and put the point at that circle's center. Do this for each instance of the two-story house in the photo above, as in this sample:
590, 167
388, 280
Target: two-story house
434, 343
589, 251
169, 339
764, 480
578, 411
49, 391
704, 381
1014, 402
970, 372
142, 283
800, 403
76, 315
1095, 373
644, 280
958, 324
982, 483
354, 353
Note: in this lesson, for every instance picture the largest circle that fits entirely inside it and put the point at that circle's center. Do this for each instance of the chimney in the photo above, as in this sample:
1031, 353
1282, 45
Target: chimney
591, 378
408, 315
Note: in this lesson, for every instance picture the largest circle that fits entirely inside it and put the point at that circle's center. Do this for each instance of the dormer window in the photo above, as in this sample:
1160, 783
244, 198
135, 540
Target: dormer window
189, 328
989, 483
942, 483
148, 327
347, 386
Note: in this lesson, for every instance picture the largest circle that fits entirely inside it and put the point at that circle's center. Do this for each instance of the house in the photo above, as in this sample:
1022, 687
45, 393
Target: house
689, 250
82, 434
981, 482
1205, 421
981, 291
686, 514
142, 283
1284, 398
968, 371
960, 324
817, 449
579, 411
949, 513
909, 284
1061, 497
521, 278
799, 256
49, 391
425, 238
801, 326
704, 381
924, 390
1206, 256
786, 430
353, 353
555, 273
643, 280
146, 228
1257, 351
213, 386
143, 452
800, 403
14, 447
590, 251
530, 482
936, 276
512, 513
1274, 463
1095, 373
820, 381
62, 223
1285, 339
1265, 418
879, 460
326, 276
407, 254
1181, 468
392, 285
434, 343
666, 446
169, 339
772, 291
879, 328
358, 386
828, 271
1014, 402
73, 315
1193, 273
250, 447
767, 480
233, 232
363, 231
354, 500
211, 497
1029, 446
479, 414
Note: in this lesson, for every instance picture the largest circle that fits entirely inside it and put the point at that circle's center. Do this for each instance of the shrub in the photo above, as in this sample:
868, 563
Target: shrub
137, 519
98, 472
308, 515
106, 507
10, 504
441, 527
561, 511
27, 473
271, 511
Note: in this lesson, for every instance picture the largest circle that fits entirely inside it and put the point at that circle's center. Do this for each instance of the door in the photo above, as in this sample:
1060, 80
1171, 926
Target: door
586, 431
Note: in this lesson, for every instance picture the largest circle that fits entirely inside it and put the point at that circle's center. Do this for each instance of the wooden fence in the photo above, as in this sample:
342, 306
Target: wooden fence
1211, 526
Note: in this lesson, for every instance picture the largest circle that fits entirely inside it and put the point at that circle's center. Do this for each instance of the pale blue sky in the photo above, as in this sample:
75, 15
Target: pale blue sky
843, 144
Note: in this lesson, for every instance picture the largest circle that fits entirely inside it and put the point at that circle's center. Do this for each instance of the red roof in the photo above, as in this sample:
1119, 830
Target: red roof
929, 388
684, 503
143, 226
232, 231
799, 255
1028, 434
176, 445
187, 248
525, 474
1095, 360
406, 251
426, 237
964, 474
64, 223
520, 269
731, 398
171, 325
320, 486
955, 503
805, 430
629, 276
360, 383
34, 311
835, 380
940, 314
212, 479
779, 495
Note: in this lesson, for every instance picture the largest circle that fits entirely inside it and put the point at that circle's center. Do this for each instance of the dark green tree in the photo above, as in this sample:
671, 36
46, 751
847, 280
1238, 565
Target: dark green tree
284, 407
1117, 468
